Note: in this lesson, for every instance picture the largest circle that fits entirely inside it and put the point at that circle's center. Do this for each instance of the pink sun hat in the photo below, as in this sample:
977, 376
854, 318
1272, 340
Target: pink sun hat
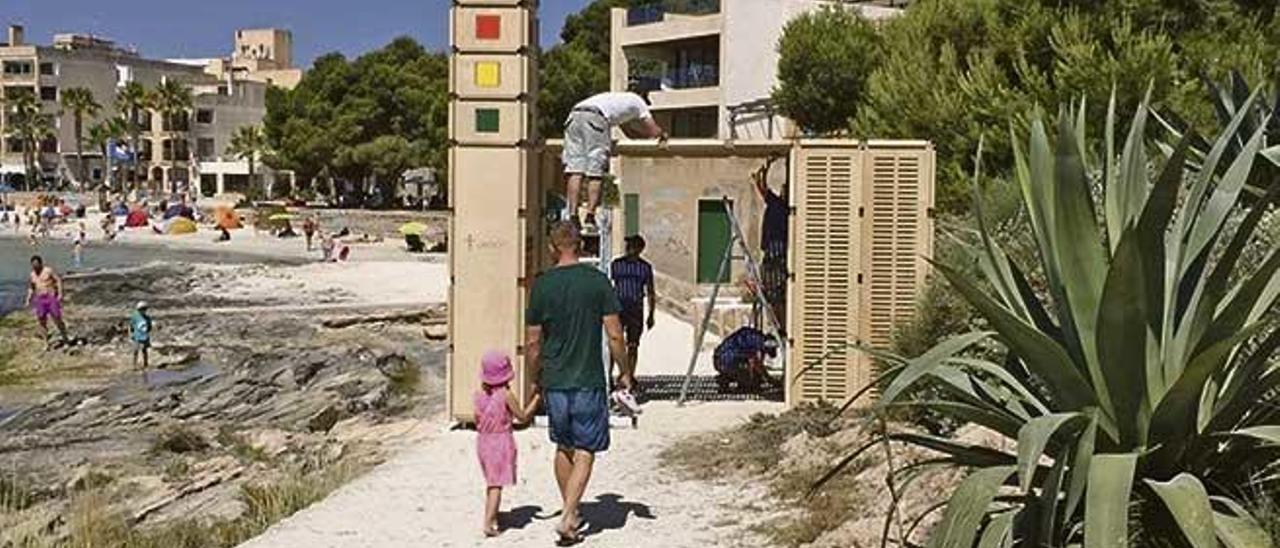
495, 368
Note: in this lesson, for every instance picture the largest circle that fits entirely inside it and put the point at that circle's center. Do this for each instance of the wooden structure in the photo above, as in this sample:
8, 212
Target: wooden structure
861, 230
495, 243
860, 225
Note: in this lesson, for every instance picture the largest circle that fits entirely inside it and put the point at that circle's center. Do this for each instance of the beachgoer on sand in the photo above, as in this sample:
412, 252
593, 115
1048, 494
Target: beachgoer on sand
496, 407
44, 295
568, 306
140, 327
633, 282
326, 246
309, 230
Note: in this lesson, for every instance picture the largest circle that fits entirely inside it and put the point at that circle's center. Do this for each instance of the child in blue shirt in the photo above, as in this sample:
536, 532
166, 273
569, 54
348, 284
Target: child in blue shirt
140, 326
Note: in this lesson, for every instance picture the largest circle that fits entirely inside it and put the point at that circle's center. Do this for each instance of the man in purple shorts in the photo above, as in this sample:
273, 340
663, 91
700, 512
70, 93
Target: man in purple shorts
44, 296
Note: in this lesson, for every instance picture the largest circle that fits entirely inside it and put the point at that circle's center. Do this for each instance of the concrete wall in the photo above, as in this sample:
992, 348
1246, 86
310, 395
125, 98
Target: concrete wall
670, 190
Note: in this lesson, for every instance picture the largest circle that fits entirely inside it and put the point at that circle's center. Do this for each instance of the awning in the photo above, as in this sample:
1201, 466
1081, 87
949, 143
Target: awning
13, 168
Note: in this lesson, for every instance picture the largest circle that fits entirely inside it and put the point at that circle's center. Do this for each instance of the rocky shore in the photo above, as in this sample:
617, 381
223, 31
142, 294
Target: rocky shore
260, 375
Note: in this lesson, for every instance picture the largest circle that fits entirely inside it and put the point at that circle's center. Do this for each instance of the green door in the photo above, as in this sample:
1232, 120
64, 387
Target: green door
631, 213
713, 239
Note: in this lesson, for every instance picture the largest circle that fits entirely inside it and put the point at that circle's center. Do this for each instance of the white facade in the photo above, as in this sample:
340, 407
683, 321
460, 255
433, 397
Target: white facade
712, 61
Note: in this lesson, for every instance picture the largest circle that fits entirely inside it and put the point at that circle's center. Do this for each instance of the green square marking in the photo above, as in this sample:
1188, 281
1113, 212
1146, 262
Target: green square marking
488, 120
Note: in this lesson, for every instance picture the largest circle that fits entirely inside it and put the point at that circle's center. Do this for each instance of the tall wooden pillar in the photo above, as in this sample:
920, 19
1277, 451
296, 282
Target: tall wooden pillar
493, 235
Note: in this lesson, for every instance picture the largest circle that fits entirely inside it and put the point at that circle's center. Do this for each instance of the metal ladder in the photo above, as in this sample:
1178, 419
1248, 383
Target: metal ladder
736, 238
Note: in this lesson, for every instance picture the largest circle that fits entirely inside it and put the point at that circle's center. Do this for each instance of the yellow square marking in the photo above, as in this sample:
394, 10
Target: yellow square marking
488, 74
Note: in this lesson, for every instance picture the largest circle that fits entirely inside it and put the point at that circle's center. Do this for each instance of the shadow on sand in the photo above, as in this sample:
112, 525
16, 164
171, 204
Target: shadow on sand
610, 512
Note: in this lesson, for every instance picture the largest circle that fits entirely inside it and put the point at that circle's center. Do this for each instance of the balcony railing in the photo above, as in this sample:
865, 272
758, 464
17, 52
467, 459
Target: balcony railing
686, 77
655, 12
692, 76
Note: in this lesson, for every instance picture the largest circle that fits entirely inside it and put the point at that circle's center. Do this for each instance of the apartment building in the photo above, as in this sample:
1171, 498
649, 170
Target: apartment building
710, 65
258, 55
173, 155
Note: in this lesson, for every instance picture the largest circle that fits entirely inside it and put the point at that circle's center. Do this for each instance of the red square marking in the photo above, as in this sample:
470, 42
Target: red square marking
488, 27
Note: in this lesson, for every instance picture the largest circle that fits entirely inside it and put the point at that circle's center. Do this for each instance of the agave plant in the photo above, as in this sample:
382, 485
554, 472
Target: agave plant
1140, 381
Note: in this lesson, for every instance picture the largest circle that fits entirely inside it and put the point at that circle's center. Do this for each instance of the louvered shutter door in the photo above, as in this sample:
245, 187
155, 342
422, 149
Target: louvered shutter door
824, 295
897, 236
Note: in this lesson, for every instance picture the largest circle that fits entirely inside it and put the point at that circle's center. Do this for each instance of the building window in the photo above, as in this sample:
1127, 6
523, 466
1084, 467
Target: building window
208, 185
204, 116
174, 150
205, 149
15, 145
713, 240
144, 150
17, 68
49, 146
13, 91
48, 69
48, 93
96, 174
695, 123
177, 122
143, 121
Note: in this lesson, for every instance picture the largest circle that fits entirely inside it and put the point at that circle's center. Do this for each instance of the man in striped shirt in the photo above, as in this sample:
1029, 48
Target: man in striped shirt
633, 281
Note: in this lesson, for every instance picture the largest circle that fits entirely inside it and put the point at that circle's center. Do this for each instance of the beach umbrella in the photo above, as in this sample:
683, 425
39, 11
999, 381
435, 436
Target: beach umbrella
181, 225
413, 228
282, 217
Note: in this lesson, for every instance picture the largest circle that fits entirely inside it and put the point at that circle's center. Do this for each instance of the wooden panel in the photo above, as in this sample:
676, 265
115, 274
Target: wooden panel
487, 262
490, 76
489, 122
495, 29
823, 303
896, 228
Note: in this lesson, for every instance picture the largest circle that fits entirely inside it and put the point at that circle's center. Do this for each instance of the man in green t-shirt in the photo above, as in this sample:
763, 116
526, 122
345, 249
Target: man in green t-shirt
569, 305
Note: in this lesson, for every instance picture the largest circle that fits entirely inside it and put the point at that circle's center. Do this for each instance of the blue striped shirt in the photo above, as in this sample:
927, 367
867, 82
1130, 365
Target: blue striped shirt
631, 278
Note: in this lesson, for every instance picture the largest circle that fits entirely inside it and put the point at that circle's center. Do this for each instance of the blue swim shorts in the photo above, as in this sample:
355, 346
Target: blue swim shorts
579, 418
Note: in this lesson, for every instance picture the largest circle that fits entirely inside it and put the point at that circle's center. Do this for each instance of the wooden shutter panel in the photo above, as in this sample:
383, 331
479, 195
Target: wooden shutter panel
897, 237
824, 294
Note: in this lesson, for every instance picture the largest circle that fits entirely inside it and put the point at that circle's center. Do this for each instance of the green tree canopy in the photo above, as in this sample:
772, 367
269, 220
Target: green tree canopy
952, 71
825, 60
399, 91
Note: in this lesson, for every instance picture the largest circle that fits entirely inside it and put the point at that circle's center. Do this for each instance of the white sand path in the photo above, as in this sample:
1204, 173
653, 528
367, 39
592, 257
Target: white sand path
431, 495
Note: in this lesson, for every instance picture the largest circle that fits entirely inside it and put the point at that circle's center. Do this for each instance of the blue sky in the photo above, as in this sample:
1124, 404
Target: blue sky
203, 28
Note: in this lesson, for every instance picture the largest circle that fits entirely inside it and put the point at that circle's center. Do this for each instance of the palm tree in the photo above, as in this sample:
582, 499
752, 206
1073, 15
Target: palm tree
131, 102
173, 101
248, 143
80, 104
101, 135
29, 126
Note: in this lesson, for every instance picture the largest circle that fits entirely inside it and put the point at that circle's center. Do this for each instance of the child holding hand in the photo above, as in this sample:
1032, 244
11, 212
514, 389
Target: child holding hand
495, 409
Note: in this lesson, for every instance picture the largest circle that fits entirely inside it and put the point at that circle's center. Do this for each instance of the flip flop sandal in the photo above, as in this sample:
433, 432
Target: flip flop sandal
567, 540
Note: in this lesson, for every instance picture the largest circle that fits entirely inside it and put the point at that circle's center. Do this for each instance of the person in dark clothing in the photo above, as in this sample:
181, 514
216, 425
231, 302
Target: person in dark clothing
633, 281
739, 359
774, 238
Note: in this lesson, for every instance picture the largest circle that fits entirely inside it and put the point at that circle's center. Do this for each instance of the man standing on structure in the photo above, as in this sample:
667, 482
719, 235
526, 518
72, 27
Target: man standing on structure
588, 144
774, 237
568, 306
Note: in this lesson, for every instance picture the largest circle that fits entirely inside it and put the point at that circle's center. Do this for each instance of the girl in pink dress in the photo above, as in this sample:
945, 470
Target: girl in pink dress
495, 406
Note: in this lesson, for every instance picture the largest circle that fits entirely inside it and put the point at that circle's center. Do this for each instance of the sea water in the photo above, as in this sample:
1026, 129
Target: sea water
15, 261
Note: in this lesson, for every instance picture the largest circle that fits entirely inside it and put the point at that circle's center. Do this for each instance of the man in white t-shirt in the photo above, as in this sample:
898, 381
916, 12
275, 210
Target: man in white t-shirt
587, 143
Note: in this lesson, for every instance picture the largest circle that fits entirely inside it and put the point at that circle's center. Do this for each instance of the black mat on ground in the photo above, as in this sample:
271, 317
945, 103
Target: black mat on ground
701, 388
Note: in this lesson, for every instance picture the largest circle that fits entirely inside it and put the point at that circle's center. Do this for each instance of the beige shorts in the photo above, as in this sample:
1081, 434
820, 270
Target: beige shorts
586, 144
